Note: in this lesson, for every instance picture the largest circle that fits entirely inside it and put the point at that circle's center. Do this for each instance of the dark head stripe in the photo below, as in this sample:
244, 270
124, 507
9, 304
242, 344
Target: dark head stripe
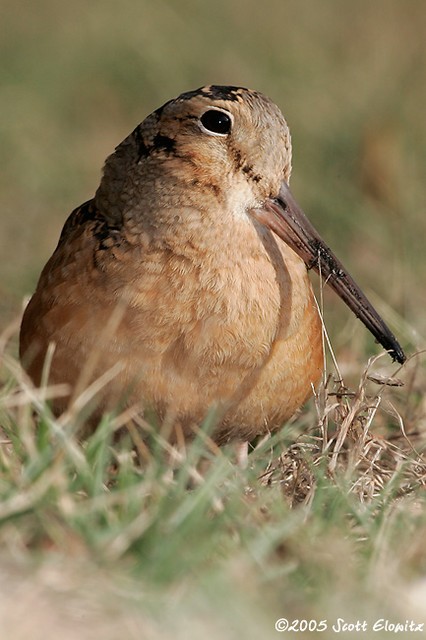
158, 143
215, 92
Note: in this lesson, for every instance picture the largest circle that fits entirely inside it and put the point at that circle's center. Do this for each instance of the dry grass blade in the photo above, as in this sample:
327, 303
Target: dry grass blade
344, 444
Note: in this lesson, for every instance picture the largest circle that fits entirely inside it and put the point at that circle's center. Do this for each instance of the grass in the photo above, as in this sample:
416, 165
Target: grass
100, 539
326, 522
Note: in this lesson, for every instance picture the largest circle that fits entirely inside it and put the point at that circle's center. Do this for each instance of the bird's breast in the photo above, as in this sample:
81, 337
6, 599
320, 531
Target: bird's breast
235, 323
228, 321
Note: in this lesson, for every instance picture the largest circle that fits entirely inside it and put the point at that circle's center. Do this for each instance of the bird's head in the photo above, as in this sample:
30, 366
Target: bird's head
229, 141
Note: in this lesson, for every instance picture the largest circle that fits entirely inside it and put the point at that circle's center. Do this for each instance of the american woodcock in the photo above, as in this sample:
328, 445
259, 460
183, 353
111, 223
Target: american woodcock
186, 276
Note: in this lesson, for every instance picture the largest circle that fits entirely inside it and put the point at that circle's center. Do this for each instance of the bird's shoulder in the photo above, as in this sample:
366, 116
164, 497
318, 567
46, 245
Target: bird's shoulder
88, 221
89, 245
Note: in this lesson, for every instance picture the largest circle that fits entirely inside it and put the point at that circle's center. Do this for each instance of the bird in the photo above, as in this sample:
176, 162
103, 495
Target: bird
183, 284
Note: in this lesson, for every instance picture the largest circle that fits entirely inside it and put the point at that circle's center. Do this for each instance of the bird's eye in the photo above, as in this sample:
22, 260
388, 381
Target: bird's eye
216, 122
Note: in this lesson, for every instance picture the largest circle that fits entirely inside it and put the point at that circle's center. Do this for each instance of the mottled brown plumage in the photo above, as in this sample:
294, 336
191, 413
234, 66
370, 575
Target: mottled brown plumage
175, 274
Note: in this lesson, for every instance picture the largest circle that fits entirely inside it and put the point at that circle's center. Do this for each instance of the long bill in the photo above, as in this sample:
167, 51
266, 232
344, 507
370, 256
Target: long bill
284, 216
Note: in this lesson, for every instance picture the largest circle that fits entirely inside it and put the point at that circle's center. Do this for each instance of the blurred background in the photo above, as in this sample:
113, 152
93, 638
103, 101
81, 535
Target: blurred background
350, 77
